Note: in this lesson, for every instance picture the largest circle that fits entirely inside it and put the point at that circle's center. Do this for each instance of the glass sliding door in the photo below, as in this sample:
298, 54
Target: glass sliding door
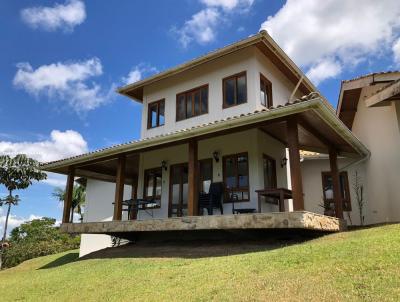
178, 190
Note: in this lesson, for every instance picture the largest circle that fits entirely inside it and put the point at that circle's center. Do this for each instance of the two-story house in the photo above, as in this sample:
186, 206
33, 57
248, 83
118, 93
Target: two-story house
236, 117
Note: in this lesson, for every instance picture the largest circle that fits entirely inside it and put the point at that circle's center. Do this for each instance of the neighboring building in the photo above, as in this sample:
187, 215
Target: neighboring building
370, 107
233, 117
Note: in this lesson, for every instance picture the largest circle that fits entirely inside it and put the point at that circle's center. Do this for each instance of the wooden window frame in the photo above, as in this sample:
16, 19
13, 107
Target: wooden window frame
238, 189
346, 203
267, 87
192, 92
265, 156
145, 182
234, 76
171, 168
149, 116
210, 160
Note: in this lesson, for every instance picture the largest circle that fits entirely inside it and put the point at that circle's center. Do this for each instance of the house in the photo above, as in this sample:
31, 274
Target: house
236, 117
369, 107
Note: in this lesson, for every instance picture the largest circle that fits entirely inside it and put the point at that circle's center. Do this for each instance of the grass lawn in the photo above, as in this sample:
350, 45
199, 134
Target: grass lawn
362, 265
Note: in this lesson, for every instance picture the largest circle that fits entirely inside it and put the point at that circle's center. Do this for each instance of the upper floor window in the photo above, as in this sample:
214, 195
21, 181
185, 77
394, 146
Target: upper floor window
156, 114
234, 90
265, 92
192, 103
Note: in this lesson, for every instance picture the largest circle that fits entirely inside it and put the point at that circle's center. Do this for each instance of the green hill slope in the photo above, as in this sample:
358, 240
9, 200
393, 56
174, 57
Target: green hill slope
360, 265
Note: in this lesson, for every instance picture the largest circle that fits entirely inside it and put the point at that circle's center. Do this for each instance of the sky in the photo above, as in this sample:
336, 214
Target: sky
61, 61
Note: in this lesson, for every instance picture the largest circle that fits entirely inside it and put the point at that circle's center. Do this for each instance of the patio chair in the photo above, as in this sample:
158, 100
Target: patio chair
233, 198
213, 199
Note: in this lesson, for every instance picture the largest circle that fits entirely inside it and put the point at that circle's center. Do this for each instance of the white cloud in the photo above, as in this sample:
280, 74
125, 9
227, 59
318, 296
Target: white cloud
228, 5
202, 27
138, 72
341, 31
396, 52
60, 16
58, 146
55, 180
67, 82
324, 70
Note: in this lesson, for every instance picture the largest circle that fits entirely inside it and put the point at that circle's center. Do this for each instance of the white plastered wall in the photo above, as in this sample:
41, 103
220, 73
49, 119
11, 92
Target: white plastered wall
378, 129
311, 170
250, 60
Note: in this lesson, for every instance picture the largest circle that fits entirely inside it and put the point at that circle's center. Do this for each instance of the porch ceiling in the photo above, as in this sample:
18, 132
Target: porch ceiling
314, 134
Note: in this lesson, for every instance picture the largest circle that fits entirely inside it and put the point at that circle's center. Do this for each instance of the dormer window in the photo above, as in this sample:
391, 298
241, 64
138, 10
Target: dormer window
192, 103
156, 114
265, 92
234, 90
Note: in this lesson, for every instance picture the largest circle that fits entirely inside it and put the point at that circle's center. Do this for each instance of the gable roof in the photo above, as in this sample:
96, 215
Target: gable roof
263, 41
350, 92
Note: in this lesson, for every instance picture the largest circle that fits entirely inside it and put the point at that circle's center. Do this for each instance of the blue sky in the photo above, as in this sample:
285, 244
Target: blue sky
60, 62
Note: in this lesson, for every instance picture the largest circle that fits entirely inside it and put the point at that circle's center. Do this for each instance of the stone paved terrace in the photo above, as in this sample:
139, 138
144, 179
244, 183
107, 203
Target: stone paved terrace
277, 220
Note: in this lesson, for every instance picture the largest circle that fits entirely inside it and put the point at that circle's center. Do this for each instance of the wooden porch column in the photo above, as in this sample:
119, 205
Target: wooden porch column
119, 188
193, 190
68, 195
294, 160
335, 183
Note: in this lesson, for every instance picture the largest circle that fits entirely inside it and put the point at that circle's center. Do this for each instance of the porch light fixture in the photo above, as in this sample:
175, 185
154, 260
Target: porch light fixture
216, 156
283, 162
164, 165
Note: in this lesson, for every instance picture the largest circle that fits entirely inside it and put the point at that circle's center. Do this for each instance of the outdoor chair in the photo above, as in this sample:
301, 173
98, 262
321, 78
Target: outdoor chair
213, 199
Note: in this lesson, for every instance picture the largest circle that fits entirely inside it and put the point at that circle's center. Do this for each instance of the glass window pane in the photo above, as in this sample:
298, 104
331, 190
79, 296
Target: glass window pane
230, 175
188, 105
197, 103
158, 185
262, 93
149, 192
328, 187
204, 100
241, 90
230, 92
181, 110
161, 117
153, 116
242, 167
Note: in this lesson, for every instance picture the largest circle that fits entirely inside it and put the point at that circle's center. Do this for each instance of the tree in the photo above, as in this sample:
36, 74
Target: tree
16, 173
78, 199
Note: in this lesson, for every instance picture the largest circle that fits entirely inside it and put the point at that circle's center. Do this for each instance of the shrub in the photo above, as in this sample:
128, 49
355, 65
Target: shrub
37, 238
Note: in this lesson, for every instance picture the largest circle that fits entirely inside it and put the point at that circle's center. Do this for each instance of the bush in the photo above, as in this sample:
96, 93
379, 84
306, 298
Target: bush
37, 238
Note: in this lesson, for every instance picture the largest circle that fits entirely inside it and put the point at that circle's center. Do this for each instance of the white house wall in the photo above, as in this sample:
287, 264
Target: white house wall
311, 170
378, 128
250, 60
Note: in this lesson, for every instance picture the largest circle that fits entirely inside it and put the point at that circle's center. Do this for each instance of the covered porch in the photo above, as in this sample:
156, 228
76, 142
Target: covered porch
307, 124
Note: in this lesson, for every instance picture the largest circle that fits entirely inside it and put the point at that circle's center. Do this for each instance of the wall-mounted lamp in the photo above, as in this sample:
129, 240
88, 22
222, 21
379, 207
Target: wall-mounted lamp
164, 165
283, 161
216, 156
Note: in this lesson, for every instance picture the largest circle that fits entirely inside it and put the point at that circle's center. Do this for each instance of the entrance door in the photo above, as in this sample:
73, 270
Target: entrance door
178, 191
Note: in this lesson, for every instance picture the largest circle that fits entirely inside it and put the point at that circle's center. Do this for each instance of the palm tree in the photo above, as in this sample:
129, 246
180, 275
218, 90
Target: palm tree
78, 199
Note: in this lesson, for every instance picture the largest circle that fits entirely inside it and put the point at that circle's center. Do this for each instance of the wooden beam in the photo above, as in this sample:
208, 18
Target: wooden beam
391, 90
314, 132
69, 189
119, 188
335, 183
193, 192
294, 160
